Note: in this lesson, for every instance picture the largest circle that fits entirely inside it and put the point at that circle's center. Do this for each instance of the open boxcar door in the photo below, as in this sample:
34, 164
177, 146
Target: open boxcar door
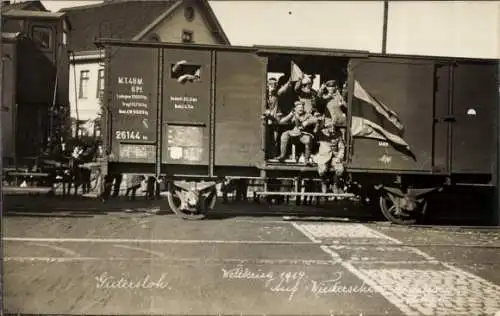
391, 113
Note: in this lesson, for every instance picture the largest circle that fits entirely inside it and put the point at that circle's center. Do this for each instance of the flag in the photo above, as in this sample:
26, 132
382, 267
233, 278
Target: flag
361, 127
295, 73
373, 119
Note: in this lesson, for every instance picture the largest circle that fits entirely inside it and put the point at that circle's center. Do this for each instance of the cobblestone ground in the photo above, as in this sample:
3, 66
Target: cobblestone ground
415, 282
54, 261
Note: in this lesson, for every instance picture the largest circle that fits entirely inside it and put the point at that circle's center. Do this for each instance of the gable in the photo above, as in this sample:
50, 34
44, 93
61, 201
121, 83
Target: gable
116, 19
201, 23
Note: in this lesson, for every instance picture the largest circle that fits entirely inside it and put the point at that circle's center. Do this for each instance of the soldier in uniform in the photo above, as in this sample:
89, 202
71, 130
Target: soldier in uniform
272, 84
335, 103
304, 123
305, 93
331, 152
272, 116
344, 91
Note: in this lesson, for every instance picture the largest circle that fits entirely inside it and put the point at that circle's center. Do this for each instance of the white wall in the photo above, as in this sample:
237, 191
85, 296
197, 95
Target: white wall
87, 108
170, 30
449, 28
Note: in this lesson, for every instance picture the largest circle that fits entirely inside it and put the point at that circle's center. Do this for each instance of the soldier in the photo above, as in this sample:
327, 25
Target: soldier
344, 91
272, 84
305, 93
303, 122
272, 116
335, 103
331, 152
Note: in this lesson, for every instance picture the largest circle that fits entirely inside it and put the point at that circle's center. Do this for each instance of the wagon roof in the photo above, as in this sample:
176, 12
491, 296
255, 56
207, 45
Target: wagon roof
285, 50
30, 13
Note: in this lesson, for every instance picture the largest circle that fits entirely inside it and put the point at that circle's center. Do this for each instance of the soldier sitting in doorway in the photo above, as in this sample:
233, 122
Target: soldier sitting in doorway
302, 131
331, 152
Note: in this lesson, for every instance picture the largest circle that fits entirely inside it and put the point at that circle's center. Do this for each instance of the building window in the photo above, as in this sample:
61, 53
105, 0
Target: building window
42, 36
100, 83
189, 13
84, 84
187, 36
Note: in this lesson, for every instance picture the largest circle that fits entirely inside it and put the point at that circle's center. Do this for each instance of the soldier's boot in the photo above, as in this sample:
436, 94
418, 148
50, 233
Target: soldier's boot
285, 138
307, 154
337, 185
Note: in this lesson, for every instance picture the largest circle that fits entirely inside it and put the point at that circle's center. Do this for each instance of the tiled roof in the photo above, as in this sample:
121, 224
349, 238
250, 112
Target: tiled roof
116, 19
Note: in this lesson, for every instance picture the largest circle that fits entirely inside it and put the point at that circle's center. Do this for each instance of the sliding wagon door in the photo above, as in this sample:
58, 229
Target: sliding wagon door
187, 78
392, 114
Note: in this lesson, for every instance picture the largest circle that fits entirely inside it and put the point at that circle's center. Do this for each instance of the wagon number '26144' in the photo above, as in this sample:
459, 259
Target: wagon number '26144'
129, 135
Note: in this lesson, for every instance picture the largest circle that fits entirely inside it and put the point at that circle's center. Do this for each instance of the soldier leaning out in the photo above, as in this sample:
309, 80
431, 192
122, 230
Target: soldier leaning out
302, 131
331, 152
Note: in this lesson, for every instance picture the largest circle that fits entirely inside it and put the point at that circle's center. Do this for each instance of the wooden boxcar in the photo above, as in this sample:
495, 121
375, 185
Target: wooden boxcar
418, 124
35, 91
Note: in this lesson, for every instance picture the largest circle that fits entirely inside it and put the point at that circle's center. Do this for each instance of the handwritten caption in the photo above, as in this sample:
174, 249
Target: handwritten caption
105, 281
294, 282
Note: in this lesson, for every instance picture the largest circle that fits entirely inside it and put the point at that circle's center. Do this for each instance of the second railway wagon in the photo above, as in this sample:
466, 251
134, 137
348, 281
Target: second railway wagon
416, 124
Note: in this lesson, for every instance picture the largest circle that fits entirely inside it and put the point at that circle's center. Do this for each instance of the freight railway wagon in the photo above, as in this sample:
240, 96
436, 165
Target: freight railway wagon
191, 115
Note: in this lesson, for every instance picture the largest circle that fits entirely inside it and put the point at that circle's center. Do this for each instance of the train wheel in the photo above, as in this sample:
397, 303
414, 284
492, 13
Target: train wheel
178, 201
401, 210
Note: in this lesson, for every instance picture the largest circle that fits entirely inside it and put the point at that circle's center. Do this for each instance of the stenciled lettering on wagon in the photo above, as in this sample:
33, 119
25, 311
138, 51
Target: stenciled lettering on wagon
183, 102
133, 103
136, 151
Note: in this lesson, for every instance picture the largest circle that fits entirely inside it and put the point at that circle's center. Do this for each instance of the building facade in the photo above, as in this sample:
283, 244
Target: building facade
166, 21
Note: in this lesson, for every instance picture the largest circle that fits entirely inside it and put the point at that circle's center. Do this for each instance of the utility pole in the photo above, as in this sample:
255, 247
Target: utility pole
384, 28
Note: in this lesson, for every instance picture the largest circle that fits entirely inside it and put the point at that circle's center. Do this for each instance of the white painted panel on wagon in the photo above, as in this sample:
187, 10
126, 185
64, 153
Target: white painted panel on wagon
444, 28
353, 25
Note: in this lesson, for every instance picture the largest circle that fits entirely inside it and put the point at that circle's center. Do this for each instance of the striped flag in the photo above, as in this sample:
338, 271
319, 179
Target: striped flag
296, 73
373, 119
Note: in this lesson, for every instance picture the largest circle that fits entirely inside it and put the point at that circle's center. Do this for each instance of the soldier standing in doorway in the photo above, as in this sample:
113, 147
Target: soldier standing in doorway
331, 152
305, 93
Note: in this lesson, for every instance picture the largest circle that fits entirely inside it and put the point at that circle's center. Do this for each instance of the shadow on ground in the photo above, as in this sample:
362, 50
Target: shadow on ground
457, 208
